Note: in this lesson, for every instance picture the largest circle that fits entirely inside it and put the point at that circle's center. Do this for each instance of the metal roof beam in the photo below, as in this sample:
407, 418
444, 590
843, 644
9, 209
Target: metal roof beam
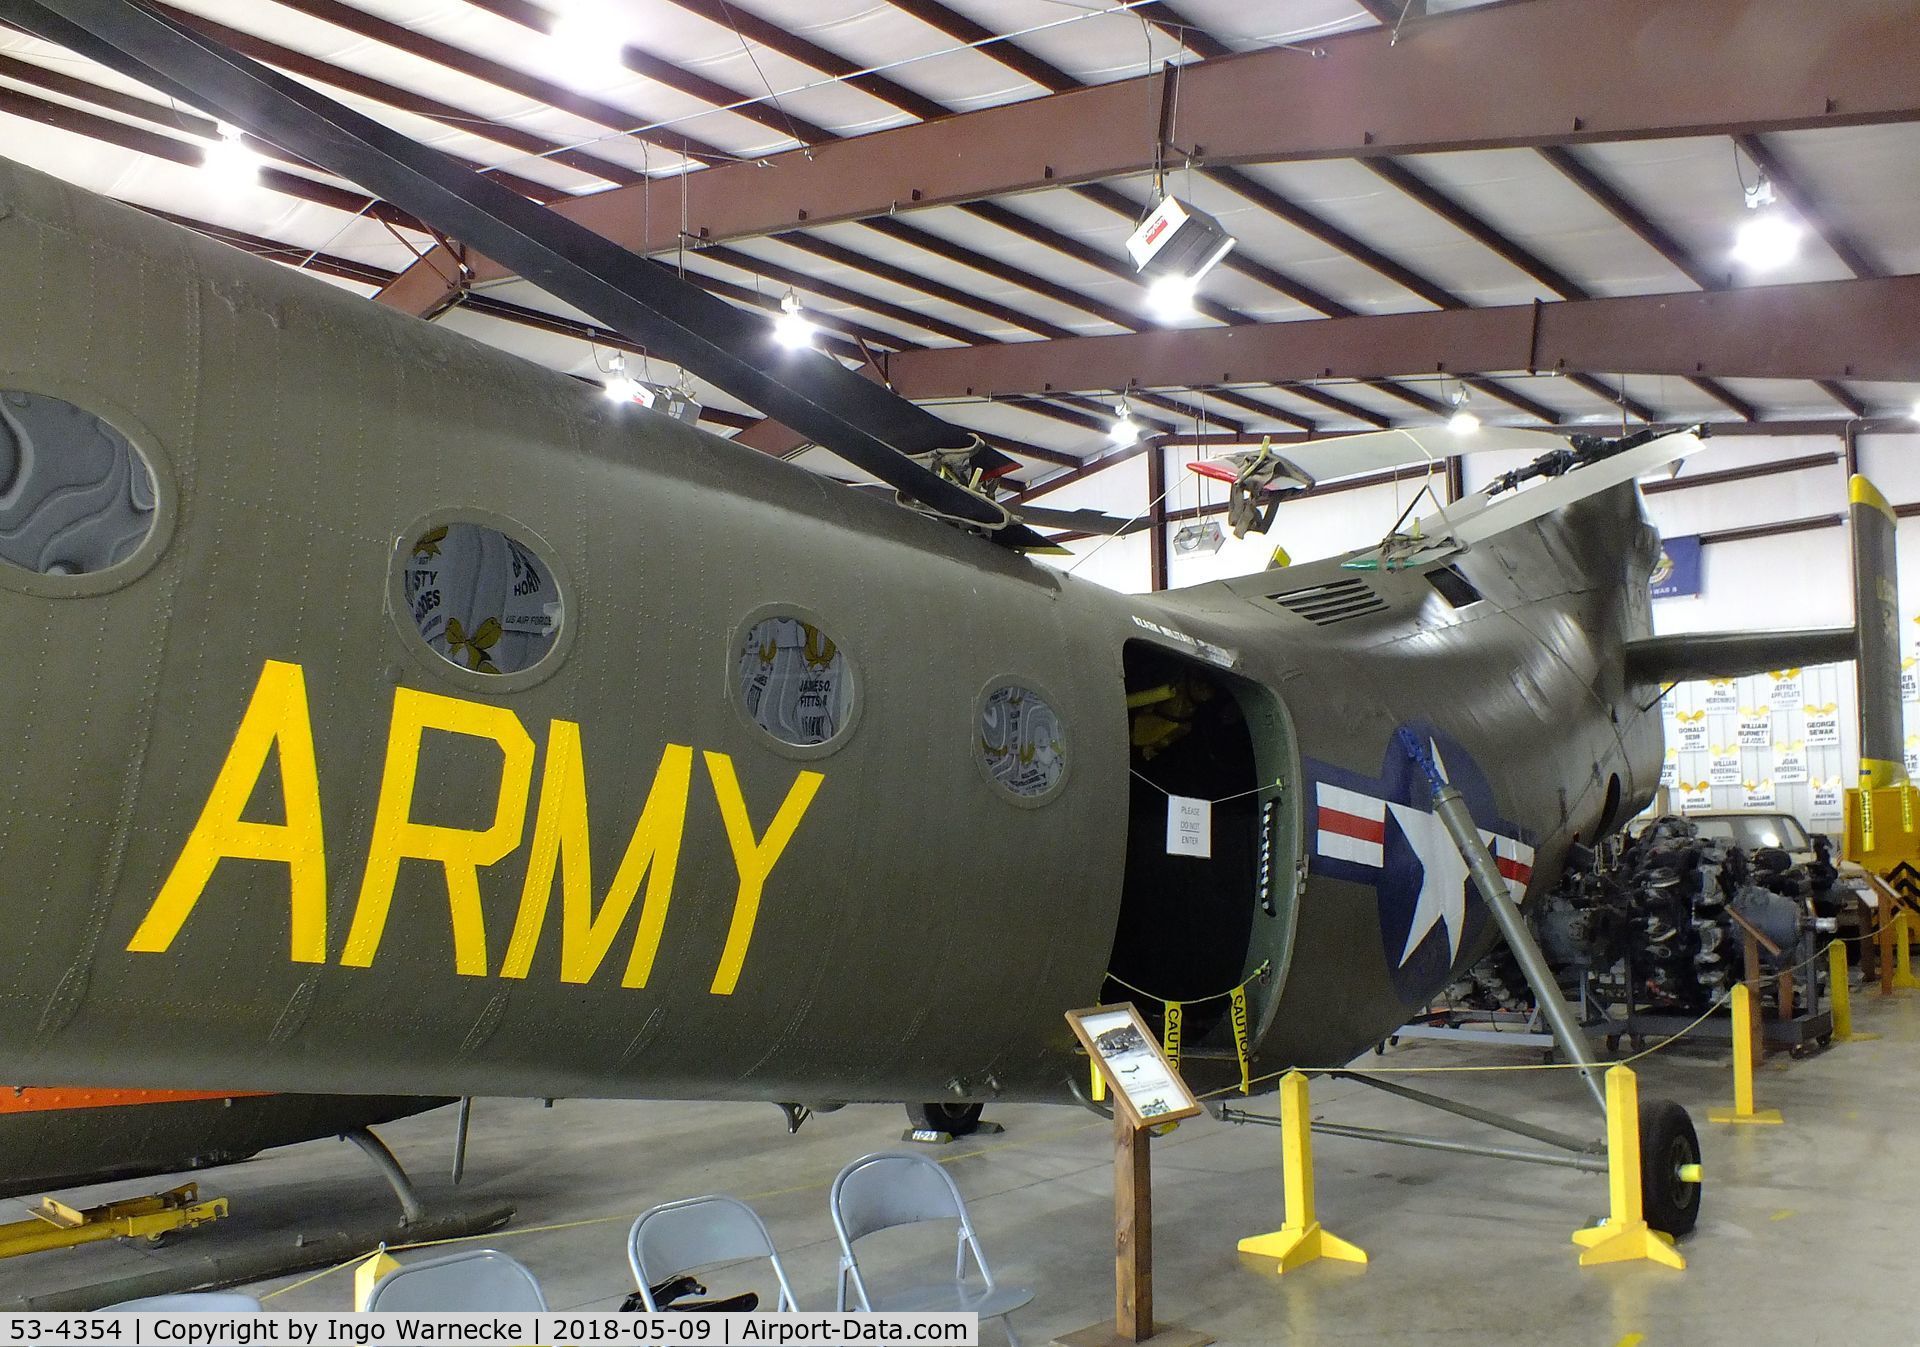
752, 28
1820, 330
989, 43
464, 62
1572, 71
77, 121
1841, 394
1610, 199
456, 118
761, 111
178, 119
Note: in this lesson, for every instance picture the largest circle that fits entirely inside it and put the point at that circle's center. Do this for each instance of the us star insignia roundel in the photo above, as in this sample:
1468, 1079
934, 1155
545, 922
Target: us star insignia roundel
1382, 832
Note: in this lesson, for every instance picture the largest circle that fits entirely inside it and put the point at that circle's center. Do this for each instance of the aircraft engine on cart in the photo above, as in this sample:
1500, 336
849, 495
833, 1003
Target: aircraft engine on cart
1662, 921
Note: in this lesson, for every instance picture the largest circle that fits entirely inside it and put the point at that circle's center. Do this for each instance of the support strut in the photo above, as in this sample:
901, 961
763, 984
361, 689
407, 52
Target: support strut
1451, 809
376, 1150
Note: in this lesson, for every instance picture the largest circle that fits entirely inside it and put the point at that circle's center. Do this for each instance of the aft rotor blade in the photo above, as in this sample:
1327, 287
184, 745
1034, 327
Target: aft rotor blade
863, 422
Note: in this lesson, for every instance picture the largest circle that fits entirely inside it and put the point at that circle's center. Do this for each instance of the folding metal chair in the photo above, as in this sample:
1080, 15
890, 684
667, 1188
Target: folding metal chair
473, 1279
189, 1302
697, 1232
895, 1188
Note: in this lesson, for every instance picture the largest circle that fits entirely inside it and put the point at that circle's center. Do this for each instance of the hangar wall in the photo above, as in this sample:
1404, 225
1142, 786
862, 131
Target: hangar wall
1789, 579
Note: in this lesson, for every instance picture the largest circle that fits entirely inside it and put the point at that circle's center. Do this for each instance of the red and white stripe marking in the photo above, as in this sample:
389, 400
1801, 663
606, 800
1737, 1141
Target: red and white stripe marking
1353, 827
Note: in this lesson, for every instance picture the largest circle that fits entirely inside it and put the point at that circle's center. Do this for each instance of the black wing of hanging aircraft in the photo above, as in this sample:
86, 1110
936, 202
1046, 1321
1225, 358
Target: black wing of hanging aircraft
863, 422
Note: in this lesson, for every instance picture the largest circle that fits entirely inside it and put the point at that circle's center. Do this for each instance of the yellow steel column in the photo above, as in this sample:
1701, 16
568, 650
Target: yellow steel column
1743, 1110
1300, 1239
1625, 1235
1903, 978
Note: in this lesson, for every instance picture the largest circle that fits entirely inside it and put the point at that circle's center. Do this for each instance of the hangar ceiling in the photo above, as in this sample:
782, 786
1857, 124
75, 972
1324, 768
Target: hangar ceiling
1533, 201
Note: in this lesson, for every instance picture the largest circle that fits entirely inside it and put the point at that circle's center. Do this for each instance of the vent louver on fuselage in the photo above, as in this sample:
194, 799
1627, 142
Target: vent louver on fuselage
1335, 601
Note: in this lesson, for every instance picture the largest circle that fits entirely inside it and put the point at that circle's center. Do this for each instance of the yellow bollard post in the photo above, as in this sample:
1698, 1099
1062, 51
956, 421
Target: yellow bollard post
1099, 1082
1840, 993
1743, 1110
370, 1270
1837, 992
1903, 979
1624, 1236
1300, 1238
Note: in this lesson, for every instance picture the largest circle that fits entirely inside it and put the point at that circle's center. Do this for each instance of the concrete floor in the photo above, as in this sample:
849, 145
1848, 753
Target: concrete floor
1806, 1234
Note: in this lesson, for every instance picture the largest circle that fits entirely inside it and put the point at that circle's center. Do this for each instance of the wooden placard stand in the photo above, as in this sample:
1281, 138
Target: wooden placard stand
1132, 1321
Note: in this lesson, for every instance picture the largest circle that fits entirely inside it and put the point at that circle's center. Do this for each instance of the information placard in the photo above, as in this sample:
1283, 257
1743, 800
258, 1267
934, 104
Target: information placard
1136, 1070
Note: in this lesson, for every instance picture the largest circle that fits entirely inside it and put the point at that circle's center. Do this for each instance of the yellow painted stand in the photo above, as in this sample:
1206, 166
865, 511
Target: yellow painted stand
368, 1274
1903, 978
1625, 1236
1300, 1239
1743, 1110
1840, 995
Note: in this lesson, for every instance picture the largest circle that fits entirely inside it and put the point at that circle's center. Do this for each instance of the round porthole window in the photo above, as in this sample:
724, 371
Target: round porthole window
794, 681
482, 600
1021, 744
76, 498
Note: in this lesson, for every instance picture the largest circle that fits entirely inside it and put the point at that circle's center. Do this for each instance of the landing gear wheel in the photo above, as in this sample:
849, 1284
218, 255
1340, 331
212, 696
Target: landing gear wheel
1668, 1144
957, 1120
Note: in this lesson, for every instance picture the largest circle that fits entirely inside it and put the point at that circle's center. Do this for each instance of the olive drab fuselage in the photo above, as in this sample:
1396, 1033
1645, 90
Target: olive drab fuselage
256, 835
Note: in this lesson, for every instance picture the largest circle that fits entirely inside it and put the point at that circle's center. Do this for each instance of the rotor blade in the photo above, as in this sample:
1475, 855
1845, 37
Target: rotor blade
1479, 517
1081, 521
1378, 451
862, 421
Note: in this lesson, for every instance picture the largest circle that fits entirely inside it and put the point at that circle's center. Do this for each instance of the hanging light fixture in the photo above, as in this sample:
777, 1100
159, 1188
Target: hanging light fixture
585, 42
621, 387
1173, 250
1463, 421
1124, 430
230, 160
1766, 240
793, 328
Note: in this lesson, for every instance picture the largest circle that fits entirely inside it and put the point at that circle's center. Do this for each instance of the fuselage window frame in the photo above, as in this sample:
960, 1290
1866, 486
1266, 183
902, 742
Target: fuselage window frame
820, 640
400, 603
983, 752
124, 431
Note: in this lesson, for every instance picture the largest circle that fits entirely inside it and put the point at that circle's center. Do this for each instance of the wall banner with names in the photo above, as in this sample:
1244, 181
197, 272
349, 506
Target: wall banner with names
1787, 692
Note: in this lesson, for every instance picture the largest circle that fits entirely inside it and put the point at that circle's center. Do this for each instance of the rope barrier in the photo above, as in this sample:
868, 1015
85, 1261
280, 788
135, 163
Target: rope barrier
1266, 966
1224, 799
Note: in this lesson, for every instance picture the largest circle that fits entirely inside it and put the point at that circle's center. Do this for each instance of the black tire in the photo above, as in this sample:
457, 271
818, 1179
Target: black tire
1667, 1142
954, 1119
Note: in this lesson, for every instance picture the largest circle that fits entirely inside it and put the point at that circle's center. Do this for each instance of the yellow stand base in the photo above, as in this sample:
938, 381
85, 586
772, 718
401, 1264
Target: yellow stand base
1905, 982
1761, 1116
1296, 1246
1611, 1243
371, 1269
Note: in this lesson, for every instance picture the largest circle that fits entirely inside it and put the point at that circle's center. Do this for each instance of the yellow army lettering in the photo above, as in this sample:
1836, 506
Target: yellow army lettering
277, 719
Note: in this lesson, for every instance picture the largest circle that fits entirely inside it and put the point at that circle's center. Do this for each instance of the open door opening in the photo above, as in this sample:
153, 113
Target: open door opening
1194, 925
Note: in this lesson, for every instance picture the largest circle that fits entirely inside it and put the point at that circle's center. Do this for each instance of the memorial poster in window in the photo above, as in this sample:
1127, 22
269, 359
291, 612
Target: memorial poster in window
794, 681
480, 599
1020, 742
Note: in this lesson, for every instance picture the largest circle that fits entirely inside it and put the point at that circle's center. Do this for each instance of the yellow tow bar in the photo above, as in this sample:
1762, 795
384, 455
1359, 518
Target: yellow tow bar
59, 1226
